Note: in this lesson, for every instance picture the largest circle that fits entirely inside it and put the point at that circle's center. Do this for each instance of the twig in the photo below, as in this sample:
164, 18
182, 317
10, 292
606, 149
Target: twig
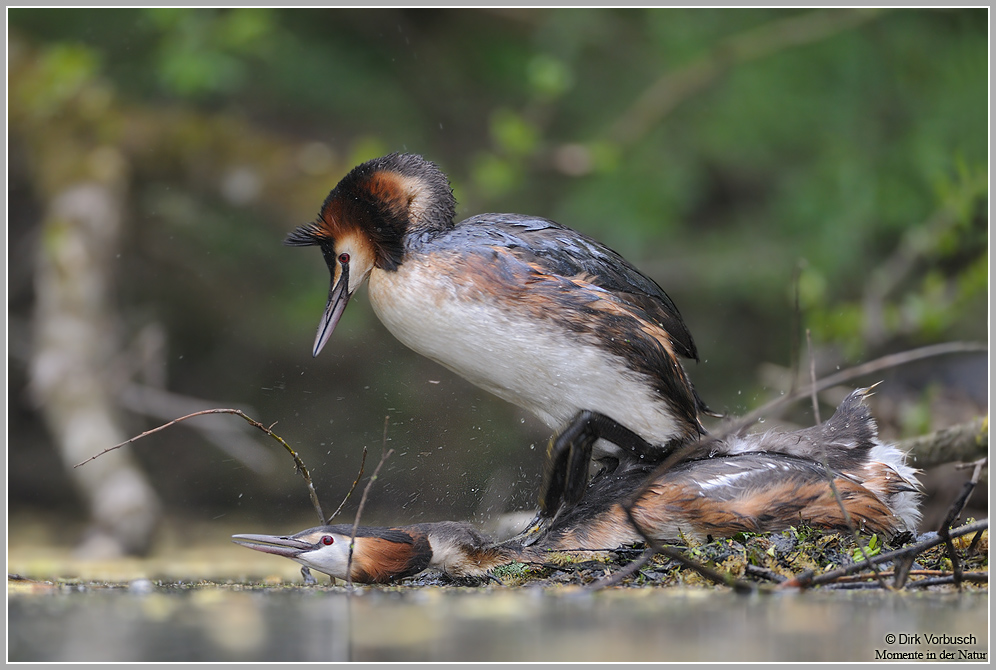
691, 449
809, 578
794, 344
918, 243
676, 86
655, 547
974, 546
630, 569
847, 579
879, 364
384, 455
356, 481
765, 573
826, 465
161, 405
974, 577
252, 422
953, 512
812, 379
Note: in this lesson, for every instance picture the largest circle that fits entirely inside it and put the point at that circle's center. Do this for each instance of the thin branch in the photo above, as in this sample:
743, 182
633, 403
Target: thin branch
161, 405
953, 512
812, 378
363, 461
974, 577
974, 546
252, 422
794, 355
676, 86
849, 579
877, 365
809, 578
958, 506
630, 569
826, 465
735, 426
655, 547
363, 501
689, 450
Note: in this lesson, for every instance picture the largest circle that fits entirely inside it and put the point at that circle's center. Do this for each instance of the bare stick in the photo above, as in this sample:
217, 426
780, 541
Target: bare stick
384, 455
356, 481
252, 422
631, 568
701, 445
974, 577
808, 578
676, 86
796, 321
691, 449
655, 547
850, 579
879, 364
953, 512
958, 506
826, 464
812, 378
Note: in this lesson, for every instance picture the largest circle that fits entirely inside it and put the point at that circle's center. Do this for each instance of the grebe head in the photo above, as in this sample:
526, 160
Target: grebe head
367, 219
379, 554
324, 548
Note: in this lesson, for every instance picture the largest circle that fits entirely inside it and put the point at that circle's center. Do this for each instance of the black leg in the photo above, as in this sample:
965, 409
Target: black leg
567, 452
568, 456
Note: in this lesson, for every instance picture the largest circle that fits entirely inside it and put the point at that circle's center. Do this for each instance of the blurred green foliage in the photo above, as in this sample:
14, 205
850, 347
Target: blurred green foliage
724, 152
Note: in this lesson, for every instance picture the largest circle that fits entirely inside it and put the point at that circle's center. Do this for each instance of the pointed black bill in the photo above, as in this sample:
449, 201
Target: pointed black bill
338, 297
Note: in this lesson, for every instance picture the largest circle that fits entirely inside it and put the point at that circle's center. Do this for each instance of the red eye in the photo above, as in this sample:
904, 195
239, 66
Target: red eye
344, 258
328, 539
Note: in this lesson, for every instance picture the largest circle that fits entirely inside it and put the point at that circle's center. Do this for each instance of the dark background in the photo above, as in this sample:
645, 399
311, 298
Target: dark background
774, 170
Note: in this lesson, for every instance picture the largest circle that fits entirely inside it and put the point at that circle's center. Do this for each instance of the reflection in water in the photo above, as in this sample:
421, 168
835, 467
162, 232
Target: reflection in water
212, 623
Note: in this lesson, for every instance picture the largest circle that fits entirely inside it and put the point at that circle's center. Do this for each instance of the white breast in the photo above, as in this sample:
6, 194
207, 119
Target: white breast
534, 364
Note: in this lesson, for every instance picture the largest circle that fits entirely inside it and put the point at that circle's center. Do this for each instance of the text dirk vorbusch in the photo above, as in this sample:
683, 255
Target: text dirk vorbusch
942, 639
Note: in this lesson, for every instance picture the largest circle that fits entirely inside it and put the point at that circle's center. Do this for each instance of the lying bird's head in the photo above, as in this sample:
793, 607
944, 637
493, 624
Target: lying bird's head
379, 554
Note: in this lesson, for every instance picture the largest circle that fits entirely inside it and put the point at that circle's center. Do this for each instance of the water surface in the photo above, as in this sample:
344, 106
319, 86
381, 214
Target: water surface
207, 622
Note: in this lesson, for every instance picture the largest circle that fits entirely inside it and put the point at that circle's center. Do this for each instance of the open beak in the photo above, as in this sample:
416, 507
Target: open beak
338, 297
287, 547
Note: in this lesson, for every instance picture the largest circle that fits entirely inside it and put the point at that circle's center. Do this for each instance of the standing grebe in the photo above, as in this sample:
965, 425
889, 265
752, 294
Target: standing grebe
530, 310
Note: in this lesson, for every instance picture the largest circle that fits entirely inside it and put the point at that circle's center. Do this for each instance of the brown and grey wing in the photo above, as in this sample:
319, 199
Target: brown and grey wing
846, 440
560, 251
757, 493
643, 342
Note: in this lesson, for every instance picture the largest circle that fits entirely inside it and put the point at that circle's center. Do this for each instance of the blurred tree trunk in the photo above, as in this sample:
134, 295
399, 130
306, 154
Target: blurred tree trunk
75, 346
86, 149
